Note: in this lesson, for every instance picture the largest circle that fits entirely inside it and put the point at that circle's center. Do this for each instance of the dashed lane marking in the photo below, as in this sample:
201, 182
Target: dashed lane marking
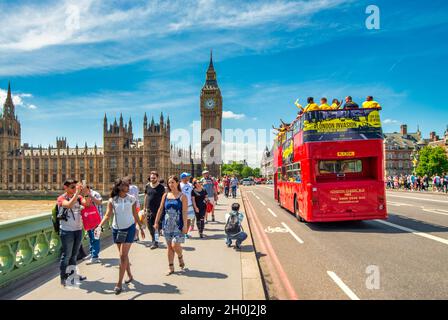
417, 233
272, 212
342, 285
292, 233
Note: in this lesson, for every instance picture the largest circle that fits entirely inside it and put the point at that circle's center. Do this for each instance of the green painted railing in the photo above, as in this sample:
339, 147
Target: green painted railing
29, 244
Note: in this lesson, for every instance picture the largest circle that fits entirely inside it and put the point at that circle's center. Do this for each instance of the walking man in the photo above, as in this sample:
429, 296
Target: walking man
209, 186
154, 192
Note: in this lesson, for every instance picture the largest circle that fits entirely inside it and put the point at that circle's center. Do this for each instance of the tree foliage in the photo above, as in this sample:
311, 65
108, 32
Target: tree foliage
432, 160
240, 170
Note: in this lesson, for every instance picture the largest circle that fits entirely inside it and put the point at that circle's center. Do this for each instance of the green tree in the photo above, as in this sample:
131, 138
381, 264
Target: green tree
432, 160
247, 172
257, 173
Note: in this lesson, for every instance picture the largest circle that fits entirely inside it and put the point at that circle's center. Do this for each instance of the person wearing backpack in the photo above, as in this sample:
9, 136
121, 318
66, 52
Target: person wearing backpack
233, 228
70, 226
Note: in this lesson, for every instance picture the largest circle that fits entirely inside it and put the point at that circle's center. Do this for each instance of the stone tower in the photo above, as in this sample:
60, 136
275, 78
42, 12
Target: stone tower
10, 141
117, 139
211, 118
156, 141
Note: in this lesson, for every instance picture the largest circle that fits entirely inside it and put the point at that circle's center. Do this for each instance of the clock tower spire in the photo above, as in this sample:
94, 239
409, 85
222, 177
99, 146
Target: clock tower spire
211, 121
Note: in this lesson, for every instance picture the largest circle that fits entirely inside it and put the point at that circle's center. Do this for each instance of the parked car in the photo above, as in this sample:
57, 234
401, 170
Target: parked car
248, 182
269, 182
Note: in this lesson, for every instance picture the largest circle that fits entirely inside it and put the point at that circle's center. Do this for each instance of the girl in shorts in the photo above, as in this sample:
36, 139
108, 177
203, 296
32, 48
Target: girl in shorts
123, 207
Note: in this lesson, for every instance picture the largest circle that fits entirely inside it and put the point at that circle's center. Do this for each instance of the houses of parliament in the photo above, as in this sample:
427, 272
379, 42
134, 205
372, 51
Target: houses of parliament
44, 169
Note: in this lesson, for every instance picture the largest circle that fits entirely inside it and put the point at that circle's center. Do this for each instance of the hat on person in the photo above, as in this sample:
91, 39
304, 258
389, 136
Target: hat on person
184, 175
204, 172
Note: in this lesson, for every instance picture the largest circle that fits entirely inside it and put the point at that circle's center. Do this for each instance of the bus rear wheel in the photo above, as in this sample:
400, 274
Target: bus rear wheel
296, 210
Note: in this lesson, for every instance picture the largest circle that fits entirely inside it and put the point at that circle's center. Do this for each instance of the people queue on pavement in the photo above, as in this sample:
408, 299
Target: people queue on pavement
411, 182
169, 211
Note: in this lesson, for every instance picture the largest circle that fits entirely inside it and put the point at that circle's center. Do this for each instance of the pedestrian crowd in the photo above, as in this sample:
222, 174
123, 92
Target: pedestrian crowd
170, 211
411, 182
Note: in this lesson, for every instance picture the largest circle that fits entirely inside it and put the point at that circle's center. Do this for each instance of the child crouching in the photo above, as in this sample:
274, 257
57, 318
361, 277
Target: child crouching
233, 228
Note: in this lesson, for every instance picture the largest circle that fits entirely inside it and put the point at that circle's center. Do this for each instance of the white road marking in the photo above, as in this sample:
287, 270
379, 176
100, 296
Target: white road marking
417, 198
398, 204
417, 233
270, 229
292, 233
343, 286
272, 212
263, 203
437, 211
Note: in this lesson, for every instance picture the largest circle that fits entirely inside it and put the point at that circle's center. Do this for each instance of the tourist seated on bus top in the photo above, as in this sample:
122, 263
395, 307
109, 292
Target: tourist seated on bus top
349, 104
311, 106
282, 130
335, 104
324, 105
370, 103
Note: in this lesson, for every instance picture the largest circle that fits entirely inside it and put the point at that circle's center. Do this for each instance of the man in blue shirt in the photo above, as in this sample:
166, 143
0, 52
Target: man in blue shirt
234, 185
209, 186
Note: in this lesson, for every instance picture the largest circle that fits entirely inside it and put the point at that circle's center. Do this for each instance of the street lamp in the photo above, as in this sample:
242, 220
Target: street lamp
414, 159
204, 156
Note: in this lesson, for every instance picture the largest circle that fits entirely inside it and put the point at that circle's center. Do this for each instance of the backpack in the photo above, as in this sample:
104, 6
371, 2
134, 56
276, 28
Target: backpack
54, 215
54, 219
233, 225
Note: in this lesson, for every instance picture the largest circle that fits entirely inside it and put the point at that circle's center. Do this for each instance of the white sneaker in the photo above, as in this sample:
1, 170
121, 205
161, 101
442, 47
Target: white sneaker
95, 260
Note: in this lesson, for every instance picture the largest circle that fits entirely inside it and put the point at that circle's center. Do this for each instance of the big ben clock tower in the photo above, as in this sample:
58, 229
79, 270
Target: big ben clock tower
211, 118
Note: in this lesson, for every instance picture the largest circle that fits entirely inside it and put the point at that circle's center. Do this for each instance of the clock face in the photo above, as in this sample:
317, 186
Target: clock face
209, 103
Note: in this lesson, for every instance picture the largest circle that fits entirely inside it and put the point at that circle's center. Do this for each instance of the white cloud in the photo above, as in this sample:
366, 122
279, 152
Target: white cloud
390, 121
68, 35
232, 115
17, 99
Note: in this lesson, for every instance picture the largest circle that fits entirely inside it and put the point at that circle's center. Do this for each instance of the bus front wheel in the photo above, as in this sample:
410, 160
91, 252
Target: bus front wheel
296, 210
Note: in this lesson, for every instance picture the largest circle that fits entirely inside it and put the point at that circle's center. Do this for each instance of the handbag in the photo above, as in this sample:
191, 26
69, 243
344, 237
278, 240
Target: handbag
121, 234
90, 217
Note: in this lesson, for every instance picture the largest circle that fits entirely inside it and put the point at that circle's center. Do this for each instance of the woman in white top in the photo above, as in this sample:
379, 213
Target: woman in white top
123, 206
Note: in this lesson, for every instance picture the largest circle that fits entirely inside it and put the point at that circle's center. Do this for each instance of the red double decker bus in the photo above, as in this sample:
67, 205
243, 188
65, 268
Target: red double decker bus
329, 166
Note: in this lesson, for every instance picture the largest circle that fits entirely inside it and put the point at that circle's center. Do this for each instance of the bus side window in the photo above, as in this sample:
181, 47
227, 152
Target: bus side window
294, 173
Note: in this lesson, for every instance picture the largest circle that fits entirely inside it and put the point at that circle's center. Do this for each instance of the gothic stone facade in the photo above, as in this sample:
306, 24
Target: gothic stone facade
45, 169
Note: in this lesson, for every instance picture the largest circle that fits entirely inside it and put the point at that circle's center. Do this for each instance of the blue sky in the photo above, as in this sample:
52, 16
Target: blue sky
151, 56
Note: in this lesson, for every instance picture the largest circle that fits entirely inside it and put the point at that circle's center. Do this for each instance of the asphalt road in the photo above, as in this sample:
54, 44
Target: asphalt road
405, 257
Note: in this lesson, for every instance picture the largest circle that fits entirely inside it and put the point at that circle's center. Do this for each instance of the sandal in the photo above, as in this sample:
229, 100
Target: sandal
181, 262
117, 290
129, 280
171, 266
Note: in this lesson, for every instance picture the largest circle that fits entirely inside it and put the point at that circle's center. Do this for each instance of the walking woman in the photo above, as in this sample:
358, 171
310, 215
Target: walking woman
174, 207
123, 206
199, 197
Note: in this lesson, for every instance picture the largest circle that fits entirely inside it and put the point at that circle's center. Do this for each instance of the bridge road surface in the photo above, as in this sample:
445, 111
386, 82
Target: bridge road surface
213, 271
331, 260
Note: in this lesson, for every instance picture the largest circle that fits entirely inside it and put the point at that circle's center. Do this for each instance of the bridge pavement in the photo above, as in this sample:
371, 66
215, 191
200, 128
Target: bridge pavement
213, 271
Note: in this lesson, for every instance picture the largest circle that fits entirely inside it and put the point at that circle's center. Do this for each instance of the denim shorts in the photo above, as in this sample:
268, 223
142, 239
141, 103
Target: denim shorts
175, 237
131, 234
190, 213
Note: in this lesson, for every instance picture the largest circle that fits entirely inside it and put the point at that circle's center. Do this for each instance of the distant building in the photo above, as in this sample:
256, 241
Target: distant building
398, 147
436, 141
45, 169
267, 164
